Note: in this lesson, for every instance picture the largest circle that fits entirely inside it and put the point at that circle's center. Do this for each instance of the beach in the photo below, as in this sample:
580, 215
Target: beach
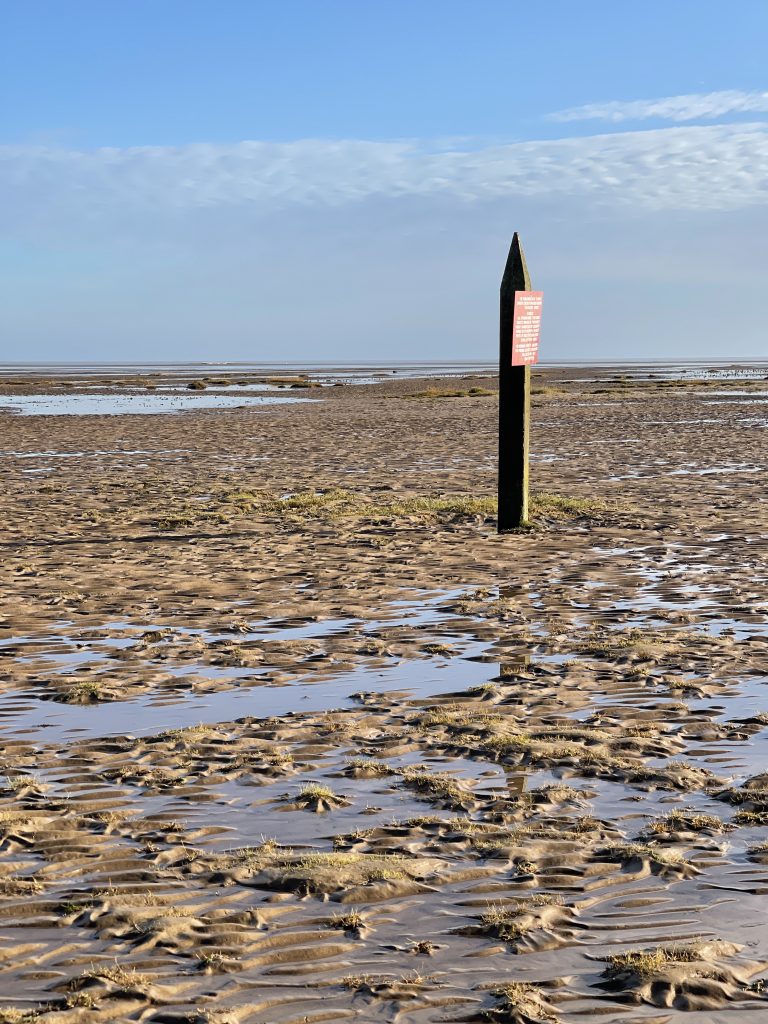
291, 734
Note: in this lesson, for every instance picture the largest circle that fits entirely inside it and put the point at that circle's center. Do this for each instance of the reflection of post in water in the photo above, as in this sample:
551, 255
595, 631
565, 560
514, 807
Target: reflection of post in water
509, 670
516, 781
517, 662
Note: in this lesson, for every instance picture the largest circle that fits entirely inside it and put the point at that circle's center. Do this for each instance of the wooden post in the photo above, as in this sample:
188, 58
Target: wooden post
514, 401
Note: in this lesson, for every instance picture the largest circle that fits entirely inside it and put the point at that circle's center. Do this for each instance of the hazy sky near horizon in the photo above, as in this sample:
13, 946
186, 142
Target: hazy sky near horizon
340, 179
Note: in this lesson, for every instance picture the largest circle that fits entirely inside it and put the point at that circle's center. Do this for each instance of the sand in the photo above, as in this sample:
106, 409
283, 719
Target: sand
290, 734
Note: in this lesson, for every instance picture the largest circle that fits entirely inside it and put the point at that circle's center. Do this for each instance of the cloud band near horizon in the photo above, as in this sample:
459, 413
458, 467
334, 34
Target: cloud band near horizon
717, 167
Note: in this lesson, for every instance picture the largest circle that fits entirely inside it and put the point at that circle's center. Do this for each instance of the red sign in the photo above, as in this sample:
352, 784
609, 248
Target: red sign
525, 328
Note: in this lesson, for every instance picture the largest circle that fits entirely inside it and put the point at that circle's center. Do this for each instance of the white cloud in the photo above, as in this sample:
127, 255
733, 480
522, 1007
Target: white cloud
691, 107
718, 167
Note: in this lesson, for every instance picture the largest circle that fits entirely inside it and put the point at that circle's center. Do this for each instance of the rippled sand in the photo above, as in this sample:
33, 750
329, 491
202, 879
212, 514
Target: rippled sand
270, 757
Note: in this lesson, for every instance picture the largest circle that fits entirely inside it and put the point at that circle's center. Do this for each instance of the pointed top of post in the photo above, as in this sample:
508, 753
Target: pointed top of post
516, 278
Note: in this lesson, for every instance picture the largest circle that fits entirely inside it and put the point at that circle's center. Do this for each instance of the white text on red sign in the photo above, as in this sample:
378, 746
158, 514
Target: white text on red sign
526, 327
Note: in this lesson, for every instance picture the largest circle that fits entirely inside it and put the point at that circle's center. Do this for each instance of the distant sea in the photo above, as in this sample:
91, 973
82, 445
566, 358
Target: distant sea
376, 371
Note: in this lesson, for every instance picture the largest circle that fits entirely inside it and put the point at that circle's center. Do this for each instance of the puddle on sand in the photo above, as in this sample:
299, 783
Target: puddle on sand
222, 388
119, 405
156, 713
736, 401
756, 393
739, 629
57, 653
249, 692
737, 467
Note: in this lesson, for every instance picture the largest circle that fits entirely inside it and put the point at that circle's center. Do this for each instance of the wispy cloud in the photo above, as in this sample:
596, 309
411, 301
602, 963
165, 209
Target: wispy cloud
692, 107
717, 167
201, 251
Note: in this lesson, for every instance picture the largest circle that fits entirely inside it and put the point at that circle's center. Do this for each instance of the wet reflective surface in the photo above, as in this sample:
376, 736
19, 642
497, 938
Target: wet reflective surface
291, 765
79, 404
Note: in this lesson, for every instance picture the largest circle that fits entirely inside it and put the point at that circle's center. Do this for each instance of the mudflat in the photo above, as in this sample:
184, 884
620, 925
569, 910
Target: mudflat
289, 734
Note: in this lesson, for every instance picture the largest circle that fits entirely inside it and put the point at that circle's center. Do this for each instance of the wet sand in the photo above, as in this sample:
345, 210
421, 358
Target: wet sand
290, 734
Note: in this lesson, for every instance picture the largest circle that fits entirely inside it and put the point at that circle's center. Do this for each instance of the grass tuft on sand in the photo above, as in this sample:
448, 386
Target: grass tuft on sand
367, 866
126, 978
474, 392
646, 963
352, 921
87, 691
337, 503
369, 766
518, 1002
688, 821
316, 796
330, 872
623, 852
510, 921
316, 791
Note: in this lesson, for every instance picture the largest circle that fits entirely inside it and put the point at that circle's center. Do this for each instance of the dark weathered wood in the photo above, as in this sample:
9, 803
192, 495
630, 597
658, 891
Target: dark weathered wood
514, 401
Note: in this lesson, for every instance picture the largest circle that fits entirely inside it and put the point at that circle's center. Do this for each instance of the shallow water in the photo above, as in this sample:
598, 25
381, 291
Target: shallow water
249, 690
134, 404
25, 715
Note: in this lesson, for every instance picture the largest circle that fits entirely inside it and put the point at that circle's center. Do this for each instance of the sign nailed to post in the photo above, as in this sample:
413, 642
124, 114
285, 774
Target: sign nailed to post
525, 327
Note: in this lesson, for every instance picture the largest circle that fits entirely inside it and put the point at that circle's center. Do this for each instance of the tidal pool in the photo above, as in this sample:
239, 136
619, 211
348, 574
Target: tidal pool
136, 404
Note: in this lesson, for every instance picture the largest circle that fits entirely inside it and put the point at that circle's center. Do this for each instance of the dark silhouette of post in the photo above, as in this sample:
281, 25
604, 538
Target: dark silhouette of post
514, 401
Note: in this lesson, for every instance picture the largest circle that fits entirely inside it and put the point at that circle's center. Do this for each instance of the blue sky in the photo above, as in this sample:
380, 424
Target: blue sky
339, 179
